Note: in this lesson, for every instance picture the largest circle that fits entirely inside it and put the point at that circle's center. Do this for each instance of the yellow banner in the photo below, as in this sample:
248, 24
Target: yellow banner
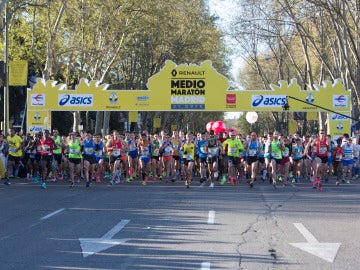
312, 116
157, 122
133, 117
173, 127
38, 121
187, 87
339, 125
18, 72
292, 127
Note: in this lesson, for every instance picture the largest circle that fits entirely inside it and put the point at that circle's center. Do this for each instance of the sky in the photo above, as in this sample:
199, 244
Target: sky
226, 10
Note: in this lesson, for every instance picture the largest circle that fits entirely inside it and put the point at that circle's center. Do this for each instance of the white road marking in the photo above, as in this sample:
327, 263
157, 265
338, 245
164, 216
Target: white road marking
205, 266
325, 251
211, 218
91, 246
52, 214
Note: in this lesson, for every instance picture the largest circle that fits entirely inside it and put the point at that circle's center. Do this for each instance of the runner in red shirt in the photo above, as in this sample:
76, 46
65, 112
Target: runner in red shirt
321, 158
47, 156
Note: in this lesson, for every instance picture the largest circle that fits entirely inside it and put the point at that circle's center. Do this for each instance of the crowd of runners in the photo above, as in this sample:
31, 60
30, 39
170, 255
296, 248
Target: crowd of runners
212, 159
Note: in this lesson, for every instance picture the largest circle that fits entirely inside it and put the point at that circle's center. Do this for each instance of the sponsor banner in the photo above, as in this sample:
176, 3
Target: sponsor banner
188, 87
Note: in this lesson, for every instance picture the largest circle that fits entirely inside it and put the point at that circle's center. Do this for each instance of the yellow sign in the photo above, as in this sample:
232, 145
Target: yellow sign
38, 121
157, 122
292, 127
18, 72
133, 117
173, 127
312, 116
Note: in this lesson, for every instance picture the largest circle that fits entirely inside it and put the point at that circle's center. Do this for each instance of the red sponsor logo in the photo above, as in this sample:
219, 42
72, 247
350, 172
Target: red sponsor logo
230, 98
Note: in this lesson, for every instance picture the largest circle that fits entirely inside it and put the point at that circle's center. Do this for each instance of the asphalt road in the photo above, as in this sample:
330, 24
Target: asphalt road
166, 226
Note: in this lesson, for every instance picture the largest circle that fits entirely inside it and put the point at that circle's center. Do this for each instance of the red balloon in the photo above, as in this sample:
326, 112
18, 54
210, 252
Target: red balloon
218, 127
209, 126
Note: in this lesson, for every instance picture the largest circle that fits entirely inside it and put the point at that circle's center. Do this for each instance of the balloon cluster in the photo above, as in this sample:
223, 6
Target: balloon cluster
217, 127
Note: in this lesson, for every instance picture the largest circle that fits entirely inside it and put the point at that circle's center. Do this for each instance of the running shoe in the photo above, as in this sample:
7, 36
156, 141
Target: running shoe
43, 185
7, 182
337, 183
72, 184
88, 183
347, 182
211, 185
187, 183
143, 183
61, 176
250, 183
320, 187
223, 180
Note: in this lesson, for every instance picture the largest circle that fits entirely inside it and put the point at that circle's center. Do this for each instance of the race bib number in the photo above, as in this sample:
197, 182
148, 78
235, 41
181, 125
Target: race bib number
213, 151
232, 150
98, 153
322, 150
89, 150
116, 152
252, 152
74, 151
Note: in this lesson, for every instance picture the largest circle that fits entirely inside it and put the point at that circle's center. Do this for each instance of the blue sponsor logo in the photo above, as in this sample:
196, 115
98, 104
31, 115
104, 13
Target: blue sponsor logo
75, 100
336, 116
268, 101
33, 129
142, 98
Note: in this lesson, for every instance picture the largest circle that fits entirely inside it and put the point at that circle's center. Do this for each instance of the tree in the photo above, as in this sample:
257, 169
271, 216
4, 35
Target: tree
121, 43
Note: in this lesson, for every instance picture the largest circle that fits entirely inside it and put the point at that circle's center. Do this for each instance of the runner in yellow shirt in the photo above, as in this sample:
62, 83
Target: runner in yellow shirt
234, 146
15, 153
